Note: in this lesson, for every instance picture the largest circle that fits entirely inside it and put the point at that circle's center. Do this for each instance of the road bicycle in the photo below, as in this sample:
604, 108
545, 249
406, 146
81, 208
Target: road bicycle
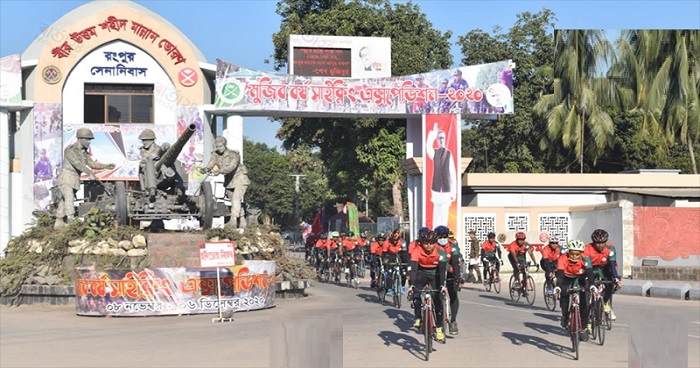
574, 326
395, 277
492, 277
428, 319
598, 318
524, 285
360, 261
382, 276
550, 299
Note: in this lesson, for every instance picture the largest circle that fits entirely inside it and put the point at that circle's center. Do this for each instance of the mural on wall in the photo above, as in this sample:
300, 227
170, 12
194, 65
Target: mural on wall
666, 232
10, 80
48, 152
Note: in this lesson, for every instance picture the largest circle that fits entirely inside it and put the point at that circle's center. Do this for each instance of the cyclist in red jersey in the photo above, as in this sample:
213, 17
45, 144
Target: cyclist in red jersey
377, 249
395, 251
349, 247
320, 250
416, 243
517, 251
602, 255
550, 258
428, 266
491, 252
572, 267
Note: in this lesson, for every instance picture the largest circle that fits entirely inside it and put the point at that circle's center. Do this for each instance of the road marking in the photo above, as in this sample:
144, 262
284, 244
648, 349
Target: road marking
695, 323
495, 306
693, 336
620, 324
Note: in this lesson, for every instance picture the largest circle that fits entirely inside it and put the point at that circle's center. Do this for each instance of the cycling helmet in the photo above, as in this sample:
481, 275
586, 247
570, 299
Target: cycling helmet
381, 236
342, 235
442, 230
575, 244
520, 235
599, 236
363, 236
423, 230
311, 235
335, 234
395, 235
554, 239
351, 234
429, 237
491, 235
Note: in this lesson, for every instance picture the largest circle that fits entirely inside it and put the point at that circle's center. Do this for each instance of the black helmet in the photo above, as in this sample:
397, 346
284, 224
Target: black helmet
599, 236
491, 235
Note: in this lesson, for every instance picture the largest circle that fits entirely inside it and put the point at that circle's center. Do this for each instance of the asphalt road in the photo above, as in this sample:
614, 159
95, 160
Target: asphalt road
494, 332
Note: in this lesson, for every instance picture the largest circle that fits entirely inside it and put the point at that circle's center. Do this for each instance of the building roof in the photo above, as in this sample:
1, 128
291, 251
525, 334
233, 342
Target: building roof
662, 192
34, 50
602, 182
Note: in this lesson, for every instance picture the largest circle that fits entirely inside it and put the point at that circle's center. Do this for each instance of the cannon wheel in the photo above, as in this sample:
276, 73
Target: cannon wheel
207, 208
121, 203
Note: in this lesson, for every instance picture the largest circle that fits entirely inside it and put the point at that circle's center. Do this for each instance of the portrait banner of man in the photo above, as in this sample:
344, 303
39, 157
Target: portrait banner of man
441, 180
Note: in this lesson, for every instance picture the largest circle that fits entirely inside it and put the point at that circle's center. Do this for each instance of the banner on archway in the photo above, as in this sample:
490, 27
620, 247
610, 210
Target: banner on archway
484, 89
442, 181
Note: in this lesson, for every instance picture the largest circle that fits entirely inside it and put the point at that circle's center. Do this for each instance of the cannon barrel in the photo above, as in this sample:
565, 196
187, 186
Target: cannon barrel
169, 157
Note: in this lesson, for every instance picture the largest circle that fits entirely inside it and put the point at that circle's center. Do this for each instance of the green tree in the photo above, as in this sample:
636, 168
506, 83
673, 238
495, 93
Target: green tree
416, 47
512, 142
659, 75
575, 108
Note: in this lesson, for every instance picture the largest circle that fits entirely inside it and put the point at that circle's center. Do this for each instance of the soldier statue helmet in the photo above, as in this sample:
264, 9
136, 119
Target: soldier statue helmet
148, 136
85, 133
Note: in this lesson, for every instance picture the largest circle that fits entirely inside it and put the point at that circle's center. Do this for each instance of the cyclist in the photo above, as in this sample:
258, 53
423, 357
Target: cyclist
454, 278
416, 242
601, 254
333, 249
428, 267
570, 268
376, 248
390, 253
550, 257
516, 253
491, 252
321, 251
349, 247
309, 243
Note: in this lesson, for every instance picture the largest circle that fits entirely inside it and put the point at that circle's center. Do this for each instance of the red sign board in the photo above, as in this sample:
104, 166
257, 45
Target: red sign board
219, 254
322, 62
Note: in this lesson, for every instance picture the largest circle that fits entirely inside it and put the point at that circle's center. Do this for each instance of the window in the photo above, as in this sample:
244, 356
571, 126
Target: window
118, 103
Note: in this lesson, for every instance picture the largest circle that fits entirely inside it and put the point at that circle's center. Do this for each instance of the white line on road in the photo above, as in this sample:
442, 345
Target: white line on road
695, 323
693, 336
495, 306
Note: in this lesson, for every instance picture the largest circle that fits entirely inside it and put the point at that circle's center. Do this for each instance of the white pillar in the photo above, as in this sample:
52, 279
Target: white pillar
5, 208
233, 132
414, 148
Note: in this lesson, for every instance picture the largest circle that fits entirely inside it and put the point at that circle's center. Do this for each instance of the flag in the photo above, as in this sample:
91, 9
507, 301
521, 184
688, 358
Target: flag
353, 218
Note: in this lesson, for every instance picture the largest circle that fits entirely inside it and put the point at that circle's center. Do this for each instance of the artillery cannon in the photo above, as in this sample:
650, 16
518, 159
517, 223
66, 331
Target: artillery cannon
161, 195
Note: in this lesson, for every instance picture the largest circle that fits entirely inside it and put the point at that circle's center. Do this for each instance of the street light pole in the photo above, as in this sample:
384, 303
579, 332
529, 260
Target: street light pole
296, 206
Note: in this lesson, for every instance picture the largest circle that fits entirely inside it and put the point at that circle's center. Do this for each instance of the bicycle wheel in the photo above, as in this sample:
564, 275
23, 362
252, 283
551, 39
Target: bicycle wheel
593, 319
381, 288
574, 331
355, 274
397, 291
497, 284
549, 300
607, 321
600, 323
514, 292
361, 273
427, 332
488, 281
326, 274
530, 288
446, 315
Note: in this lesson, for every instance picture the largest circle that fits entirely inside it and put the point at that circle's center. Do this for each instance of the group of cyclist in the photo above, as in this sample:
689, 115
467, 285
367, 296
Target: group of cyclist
583, 264
432, 260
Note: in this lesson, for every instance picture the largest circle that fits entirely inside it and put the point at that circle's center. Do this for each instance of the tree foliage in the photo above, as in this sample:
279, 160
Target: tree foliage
416, 47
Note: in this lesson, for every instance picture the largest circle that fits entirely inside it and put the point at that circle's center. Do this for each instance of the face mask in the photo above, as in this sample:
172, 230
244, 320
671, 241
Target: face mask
573, 260
442, 241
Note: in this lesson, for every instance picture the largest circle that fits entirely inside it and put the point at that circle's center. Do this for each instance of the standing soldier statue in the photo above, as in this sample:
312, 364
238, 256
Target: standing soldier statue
150, 153
228, 163
76, 160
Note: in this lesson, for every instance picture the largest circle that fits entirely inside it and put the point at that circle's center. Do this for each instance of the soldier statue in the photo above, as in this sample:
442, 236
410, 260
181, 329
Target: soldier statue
228, 163
150, 153
76, 160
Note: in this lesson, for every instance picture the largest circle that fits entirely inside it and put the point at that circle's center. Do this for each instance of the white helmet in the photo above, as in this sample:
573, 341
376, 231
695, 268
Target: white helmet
575, 244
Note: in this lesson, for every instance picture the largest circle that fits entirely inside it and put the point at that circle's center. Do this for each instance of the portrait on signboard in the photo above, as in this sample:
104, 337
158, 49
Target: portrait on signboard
441, 183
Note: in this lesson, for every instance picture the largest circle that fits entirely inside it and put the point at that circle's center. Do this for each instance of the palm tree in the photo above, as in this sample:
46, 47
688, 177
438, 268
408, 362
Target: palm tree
660, 71
575, 109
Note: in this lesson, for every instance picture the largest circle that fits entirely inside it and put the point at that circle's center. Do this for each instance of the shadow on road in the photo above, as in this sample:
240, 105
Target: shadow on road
540, 343
509, 302
402, 319
556, 317
408, 343
547, 329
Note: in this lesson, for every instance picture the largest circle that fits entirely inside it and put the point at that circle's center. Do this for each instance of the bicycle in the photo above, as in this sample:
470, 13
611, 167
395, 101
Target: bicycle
492, 278
395, 277
354, 272
550, 300
428, 318
446, 309
381, 283
519, 288
599, 319
574, 326
325, 273
360, 260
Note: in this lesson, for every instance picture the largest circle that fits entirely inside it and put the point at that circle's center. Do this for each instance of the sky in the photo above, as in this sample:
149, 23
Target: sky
240, 31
